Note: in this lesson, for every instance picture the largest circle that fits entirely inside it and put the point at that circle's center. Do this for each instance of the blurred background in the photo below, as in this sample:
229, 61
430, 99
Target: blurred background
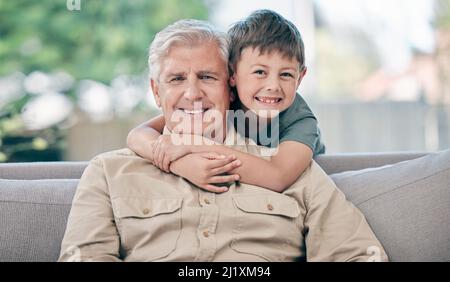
73, 74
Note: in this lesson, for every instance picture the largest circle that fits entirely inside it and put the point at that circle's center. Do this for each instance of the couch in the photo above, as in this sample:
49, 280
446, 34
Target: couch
404, 196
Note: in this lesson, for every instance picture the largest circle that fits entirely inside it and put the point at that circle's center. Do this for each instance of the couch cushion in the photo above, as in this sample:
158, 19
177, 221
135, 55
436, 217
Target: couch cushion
33, 217
406, 204
355, 161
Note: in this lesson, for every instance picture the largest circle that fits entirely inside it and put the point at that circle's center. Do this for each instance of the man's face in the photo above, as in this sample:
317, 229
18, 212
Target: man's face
266, 81
192, 85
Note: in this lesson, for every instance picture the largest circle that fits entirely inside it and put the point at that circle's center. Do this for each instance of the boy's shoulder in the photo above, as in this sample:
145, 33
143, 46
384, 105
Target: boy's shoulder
297, 111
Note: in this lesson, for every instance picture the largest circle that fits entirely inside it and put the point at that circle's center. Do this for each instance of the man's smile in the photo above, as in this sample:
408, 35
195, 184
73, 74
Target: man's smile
193, 111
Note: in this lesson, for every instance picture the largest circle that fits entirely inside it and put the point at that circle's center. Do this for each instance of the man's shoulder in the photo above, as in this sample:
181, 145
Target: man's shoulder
315, 171
119, 153
121, 160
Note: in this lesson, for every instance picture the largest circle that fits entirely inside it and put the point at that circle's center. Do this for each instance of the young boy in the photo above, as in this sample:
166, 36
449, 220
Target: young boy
267, 65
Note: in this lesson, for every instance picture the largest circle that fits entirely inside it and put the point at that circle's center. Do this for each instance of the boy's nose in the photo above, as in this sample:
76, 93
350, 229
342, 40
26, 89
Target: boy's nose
273, 85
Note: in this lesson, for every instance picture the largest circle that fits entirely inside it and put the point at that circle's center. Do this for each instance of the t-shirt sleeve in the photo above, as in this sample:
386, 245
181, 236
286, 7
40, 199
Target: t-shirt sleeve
299, 124
304, 131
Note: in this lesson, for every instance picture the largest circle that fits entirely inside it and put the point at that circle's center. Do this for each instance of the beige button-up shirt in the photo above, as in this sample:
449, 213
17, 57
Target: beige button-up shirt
127, 209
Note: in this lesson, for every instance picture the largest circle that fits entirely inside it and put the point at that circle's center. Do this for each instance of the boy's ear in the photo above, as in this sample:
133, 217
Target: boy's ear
302, 74
155, 90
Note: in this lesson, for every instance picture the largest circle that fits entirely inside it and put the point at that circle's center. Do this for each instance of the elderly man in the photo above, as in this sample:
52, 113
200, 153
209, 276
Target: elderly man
127, 209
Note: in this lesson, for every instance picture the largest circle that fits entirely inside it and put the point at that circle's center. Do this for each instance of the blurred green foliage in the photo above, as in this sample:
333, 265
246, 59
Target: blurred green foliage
100, 41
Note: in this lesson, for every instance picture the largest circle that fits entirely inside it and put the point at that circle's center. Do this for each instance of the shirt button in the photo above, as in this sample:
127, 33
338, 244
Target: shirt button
206, 234
145, 211
269, 207
207, 201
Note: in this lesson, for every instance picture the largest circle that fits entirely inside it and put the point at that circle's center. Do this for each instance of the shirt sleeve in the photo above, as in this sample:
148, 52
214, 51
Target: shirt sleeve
305, 131
299, 124
91, 233
335, 230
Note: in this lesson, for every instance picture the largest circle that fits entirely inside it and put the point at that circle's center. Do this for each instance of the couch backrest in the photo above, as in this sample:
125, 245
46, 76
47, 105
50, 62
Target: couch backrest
330, 164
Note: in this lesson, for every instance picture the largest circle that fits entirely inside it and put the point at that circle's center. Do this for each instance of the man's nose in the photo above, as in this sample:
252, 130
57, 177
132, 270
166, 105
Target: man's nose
193, 91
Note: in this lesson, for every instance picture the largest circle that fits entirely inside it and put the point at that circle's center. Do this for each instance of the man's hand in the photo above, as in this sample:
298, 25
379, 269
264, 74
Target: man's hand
165, 152
206, 169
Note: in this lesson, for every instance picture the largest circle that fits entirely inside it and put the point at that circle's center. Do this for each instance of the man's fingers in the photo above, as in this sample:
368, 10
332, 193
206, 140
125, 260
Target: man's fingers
224, 178
226, 168
215, 189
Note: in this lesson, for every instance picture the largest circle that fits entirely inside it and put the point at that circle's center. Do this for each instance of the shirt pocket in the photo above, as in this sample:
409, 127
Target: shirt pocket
148, 226
266, 226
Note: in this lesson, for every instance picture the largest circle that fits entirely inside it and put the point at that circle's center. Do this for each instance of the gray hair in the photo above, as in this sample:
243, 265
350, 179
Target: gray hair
186, 32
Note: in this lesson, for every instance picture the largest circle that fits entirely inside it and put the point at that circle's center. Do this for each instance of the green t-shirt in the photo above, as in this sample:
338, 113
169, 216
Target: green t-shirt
296, 123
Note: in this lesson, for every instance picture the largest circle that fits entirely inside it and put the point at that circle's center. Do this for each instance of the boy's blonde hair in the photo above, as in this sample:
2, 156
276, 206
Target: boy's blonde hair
267, 31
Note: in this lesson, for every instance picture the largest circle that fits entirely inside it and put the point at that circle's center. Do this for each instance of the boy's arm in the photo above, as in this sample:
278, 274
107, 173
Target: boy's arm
277, 174
142, 138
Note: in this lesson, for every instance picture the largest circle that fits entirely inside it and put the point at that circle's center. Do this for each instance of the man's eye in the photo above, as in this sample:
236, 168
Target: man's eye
176, 79
207, 77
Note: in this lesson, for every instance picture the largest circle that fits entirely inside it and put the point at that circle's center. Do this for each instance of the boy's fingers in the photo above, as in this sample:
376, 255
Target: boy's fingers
221, 162
166, 164
215, 189
213, 156
160, 159
226, 168
224, 178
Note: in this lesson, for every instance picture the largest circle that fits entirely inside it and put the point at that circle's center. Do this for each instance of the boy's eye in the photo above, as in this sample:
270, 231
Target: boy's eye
287, 74
259, 72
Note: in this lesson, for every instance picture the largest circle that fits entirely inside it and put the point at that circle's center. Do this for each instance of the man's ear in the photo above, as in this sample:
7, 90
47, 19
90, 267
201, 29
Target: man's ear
232, 81
155, 90
232, 94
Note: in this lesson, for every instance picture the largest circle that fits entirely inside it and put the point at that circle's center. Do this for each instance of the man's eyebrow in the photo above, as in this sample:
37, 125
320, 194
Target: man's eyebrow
175, 74
208, 72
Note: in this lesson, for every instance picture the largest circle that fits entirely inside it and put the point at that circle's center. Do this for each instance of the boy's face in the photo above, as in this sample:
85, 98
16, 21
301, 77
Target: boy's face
266, 81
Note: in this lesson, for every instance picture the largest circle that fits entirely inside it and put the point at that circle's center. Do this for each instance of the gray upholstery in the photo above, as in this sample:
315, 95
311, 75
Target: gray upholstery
406, 204
33, 216
35, 201
42, 170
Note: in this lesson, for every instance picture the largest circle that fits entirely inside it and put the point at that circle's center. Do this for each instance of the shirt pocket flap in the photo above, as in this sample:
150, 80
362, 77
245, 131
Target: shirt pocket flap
275, 204
144, 207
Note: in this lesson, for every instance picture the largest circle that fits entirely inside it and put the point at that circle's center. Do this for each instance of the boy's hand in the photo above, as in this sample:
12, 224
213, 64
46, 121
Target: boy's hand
206, 169
165, 152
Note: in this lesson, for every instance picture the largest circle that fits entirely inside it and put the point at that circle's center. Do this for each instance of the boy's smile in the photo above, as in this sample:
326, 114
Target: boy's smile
266, 81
